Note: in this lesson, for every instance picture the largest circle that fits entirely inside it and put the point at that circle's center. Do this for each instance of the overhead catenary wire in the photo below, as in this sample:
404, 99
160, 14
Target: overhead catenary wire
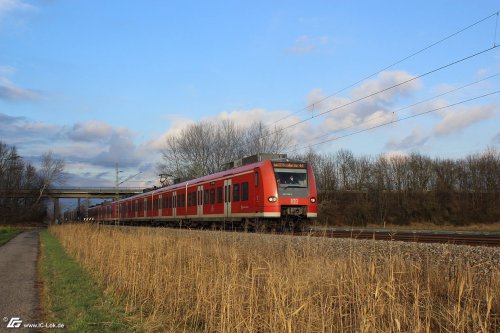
312, 105
395, 121
386, 89
407, 107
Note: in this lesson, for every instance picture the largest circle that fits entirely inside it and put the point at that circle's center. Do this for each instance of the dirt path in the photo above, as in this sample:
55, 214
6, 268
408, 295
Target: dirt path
18, 274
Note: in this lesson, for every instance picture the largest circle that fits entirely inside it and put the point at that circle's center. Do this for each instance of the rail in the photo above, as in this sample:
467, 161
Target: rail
477, 238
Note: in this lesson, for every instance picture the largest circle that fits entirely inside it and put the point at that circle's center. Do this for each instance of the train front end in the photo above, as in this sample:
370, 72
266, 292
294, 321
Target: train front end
292, 196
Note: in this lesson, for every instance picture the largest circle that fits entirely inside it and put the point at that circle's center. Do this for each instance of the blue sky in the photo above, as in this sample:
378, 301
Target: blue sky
106, 82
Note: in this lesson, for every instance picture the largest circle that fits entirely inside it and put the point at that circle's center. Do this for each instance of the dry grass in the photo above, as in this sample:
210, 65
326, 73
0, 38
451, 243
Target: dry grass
193, 281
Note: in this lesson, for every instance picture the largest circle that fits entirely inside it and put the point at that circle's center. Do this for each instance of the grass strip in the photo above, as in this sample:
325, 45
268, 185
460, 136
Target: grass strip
7, 233
71, 297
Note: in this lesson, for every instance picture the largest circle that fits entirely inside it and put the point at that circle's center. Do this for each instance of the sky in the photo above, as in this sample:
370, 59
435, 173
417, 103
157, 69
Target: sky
106, 82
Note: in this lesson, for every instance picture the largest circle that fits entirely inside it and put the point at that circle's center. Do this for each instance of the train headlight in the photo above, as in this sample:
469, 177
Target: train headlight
313, 199
272, 199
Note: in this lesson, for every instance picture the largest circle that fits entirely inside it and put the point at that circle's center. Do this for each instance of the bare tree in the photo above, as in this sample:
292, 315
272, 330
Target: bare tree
20, 185
51, 173
202, 148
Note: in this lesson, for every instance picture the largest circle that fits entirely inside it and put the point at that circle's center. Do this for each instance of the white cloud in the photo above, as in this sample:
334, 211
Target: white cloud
386, 80
306, 44
6, 70
459, 118
120, 149
358, 111
20, 129
90, 131
415, 139
7, 6
275, 120
394, 155
11, 92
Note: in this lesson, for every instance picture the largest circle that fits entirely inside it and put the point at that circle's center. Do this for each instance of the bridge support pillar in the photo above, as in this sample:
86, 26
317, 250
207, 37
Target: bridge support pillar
57, 211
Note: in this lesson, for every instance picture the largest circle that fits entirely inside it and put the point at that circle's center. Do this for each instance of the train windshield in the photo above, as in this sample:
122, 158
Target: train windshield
286, 177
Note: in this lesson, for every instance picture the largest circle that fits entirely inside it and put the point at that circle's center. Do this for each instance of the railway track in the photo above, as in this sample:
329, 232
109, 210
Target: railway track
422, 236
473, 238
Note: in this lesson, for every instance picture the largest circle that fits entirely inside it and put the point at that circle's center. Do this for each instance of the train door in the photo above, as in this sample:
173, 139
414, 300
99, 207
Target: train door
136, 208
160, 207
174, 204
200, 201
227, 197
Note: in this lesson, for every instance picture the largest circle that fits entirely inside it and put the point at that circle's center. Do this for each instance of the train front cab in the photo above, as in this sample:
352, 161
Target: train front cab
289, 191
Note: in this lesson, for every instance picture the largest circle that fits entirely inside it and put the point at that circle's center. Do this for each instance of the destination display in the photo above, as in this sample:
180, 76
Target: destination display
289, 165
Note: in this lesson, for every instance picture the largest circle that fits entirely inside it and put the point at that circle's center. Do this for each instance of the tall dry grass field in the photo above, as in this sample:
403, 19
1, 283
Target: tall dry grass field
199, 281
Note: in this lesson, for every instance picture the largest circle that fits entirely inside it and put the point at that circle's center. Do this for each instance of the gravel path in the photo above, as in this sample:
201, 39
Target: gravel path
18, 274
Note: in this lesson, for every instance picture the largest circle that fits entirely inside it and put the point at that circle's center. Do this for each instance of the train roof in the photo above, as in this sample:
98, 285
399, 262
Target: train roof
203, 179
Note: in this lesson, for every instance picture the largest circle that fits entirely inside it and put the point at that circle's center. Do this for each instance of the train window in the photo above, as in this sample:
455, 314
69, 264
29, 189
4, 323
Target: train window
206, 197
183, 200
189, 200
155, 204
219, 194
149, 205
212, 196
236, 192
256, 179
286, 177
244, 191
193, 194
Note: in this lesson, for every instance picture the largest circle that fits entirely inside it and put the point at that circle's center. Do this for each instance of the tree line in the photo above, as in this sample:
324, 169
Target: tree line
23, 186
402, 189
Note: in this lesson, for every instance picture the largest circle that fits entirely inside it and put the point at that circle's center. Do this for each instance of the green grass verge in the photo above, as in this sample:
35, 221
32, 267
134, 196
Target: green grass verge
71, 297
7, 233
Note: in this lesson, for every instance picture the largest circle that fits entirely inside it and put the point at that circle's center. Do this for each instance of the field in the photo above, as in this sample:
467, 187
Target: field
198, 281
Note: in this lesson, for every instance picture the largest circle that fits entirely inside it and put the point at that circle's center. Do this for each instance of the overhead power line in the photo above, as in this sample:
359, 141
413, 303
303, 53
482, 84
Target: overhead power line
387, 89
395, 121
312, 105
407, 107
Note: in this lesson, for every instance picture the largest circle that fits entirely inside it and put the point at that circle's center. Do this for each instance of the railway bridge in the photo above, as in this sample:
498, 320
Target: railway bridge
73, 192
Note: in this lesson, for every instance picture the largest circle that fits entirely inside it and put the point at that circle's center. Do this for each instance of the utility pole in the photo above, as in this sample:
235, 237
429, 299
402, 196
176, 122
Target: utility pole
117, 185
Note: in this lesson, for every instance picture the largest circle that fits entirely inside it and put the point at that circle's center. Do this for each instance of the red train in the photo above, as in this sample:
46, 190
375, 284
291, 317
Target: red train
271, 193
